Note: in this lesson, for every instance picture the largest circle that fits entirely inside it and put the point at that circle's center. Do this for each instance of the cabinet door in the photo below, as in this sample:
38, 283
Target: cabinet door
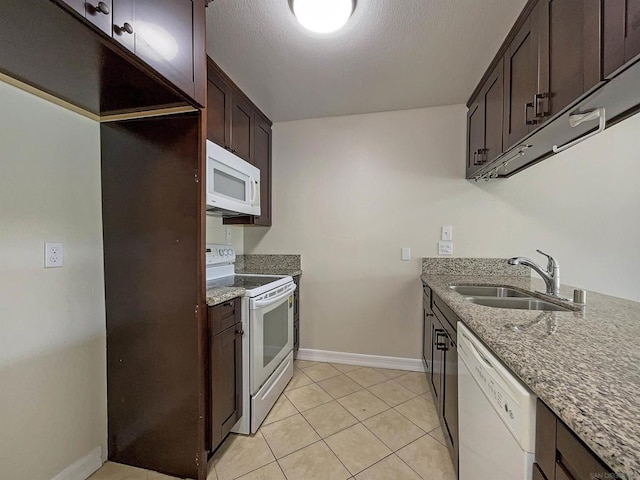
484, 123
475, 136
242, 124
100, 13
450, 397
621, 33
521, 82
438, 334
163, 36
123, 23
218, 109
262, 160
77, 5
493, 98
226, 382
427, 342
570, 53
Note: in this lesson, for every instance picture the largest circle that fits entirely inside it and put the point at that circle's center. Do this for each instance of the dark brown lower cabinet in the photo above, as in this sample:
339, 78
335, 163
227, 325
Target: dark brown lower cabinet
443, 376
296, 314
427, 326
226, 380
560, 454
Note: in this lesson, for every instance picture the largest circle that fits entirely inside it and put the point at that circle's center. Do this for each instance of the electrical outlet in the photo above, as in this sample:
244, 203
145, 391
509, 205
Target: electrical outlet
53, 255
445, 248
405, 253
447, 233
227, 234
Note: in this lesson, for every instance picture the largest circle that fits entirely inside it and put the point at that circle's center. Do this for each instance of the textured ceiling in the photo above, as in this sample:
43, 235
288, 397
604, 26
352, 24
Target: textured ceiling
392, 54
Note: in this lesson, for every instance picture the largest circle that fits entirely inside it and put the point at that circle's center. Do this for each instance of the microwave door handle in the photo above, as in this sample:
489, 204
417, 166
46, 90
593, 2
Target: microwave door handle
271, 301
254, 191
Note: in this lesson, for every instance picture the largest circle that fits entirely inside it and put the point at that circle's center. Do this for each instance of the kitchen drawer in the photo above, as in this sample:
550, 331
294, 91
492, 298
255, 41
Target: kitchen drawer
224, 315
575, 459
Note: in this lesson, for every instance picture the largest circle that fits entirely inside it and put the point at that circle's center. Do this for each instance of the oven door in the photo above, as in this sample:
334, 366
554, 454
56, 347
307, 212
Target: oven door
271, 332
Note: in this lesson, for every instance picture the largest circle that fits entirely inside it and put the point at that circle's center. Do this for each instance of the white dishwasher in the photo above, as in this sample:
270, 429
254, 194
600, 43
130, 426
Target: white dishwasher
497, 416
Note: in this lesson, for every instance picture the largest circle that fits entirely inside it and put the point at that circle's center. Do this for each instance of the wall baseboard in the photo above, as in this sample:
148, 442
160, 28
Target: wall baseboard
376, 361
82, 468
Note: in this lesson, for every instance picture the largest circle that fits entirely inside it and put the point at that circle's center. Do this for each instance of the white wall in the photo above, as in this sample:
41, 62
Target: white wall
52, 322
216, 233
350, 191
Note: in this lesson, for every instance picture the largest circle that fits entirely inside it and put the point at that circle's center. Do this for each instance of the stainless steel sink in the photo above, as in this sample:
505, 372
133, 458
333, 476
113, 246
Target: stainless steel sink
526, 303
481, 291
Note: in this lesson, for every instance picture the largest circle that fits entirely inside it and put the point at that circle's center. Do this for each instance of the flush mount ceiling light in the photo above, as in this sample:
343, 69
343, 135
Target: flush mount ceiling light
322, 16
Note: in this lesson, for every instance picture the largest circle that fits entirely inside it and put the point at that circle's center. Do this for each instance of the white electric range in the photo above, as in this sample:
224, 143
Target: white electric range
267, 344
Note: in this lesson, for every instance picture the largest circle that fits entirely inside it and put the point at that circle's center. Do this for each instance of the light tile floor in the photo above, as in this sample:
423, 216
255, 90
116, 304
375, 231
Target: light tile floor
334, 422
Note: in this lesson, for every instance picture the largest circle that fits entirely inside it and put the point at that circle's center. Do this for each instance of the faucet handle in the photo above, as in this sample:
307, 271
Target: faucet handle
552, 263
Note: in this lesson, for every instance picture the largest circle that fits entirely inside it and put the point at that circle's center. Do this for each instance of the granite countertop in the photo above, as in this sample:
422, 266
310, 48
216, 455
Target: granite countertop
585, 365
293, 272
216, 295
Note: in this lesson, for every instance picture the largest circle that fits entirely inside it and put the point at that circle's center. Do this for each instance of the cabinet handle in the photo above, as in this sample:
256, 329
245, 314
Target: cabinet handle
482, 156
126, 27
527, 106
442, 346
239, 332
102, 8
536, 100
228, 304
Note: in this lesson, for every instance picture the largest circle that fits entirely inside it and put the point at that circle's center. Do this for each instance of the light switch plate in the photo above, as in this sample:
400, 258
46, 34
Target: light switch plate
53, 255
445, 248
447, 233
406, 253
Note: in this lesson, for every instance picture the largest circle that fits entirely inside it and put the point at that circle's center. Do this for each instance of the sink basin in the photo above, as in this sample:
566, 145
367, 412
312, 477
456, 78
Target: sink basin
526, 303
496, 292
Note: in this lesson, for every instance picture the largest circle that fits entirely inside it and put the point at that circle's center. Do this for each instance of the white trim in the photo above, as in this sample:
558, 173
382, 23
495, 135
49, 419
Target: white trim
377, 361
83, 468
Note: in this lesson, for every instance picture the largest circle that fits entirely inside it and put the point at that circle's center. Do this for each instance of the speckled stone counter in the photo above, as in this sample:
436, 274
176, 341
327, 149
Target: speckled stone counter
216, 295
269, 264
273, 271
585, 365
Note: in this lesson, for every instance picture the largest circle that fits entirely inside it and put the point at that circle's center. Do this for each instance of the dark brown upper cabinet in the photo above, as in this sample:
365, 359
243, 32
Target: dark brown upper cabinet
621, 33
235, 123
484, 122
242, 126
570, 62
230, 114
218, 109
521, 71
161, 32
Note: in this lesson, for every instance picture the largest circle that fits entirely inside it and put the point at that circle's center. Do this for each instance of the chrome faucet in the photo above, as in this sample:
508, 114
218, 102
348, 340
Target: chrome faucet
551, 277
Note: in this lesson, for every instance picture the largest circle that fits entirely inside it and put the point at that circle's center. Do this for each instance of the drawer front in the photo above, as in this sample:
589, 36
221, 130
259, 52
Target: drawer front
537, 473
575, 459
224, 315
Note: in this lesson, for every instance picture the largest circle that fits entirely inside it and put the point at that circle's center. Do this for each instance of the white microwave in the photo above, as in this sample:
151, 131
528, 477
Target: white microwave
233, 185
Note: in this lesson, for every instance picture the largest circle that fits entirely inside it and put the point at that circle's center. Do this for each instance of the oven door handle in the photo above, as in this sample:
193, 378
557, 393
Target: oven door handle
271, 301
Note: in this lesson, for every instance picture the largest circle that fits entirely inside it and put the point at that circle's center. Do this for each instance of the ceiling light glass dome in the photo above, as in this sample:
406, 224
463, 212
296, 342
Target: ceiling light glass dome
322, 16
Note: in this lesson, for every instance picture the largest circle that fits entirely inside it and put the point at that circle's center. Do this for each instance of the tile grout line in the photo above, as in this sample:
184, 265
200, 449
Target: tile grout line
352, 475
